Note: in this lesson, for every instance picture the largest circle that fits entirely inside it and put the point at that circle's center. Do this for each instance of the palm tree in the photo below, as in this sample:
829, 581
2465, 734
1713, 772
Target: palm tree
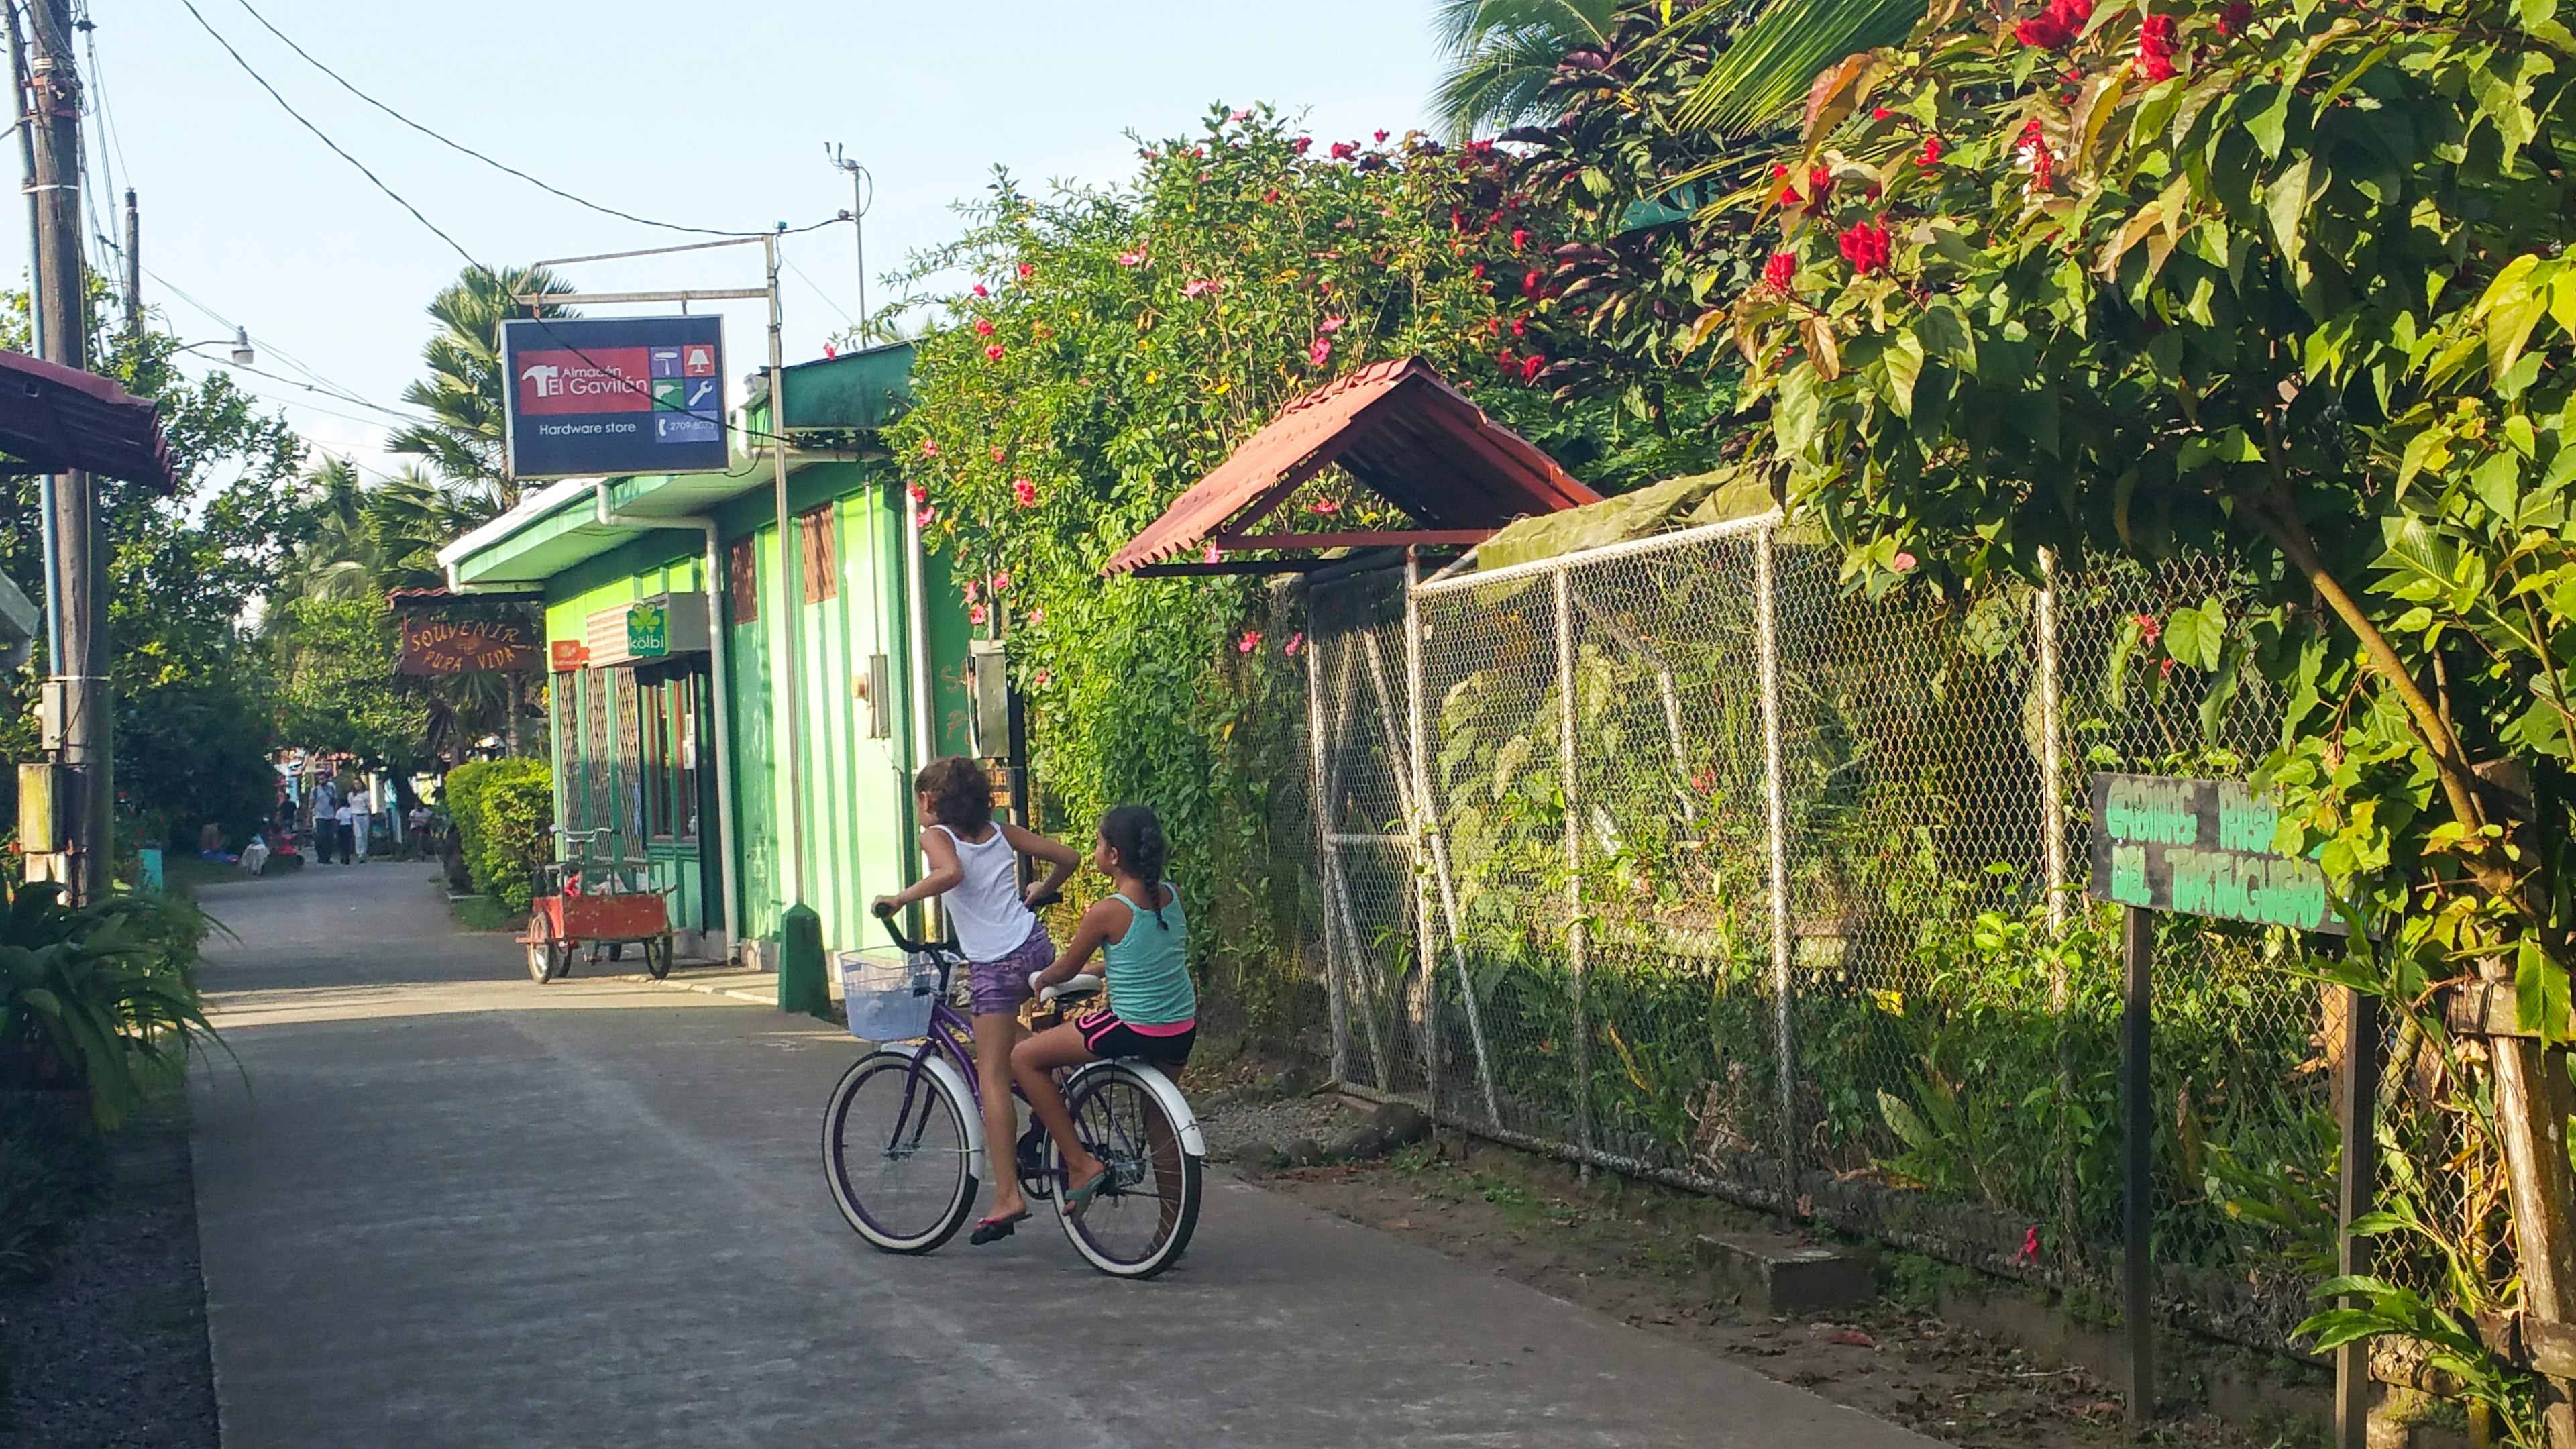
463, 390
1763, 74
1501, 53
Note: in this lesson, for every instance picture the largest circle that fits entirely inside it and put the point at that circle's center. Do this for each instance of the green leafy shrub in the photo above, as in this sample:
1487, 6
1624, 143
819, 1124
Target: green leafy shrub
505, 811
99, 998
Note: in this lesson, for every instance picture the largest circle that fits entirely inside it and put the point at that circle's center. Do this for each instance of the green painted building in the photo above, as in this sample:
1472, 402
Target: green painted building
680, 732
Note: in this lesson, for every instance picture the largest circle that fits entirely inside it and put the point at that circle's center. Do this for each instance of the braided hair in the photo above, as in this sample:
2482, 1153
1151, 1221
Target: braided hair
1137, 836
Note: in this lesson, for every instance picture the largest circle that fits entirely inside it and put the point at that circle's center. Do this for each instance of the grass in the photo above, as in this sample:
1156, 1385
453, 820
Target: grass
186, 874
482, 913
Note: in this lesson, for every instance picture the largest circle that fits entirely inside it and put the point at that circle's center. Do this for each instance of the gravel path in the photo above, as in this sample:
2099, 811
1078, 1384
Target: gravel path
110, 1351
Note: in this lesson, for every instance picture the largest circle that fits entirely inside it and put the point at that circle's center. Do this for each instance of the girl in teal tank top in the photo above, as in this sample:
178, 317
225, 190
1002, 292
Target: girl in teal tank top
1142, 936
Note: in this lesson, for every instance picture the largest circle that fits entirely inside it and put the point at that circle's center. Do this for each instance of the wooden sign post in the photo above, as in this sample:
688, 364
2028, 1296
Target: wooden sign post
2204, 848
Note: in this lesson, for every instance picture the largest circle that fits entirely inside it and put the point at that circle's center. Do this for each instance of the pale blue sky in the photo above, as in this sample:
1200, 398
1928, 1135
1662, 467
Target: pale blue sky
708, 114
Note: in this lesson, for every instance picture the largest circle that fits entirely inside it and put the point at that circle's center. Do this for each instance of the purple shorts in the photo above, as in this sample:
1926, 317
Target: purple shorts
1002, 985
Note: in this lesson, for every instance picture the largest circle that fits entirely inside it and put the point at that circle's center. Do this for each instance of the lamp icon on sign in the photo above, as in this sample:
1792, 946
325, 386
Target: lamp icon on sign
698, 359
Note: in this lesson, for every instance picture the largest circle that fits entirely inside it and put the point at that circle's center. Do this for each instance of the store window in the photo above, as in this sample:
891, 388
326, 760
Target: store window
669, 731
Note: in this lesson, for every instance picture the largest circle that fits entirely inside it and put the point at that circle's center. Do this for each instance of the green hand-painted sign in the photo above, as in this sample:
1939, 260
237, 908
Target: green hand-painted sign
648, 631
2201, 848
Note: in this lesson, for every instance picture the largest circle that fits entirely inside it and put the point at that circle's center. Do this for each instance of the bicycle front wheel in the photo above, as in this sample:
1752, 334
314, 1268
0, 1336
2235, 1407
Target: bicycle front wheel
897, 1151
1142, 1220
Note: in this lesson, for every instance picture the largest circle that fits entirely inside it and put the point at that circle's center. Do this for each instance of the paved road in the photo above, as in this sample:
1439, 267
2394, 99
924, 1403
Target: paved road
441, 1205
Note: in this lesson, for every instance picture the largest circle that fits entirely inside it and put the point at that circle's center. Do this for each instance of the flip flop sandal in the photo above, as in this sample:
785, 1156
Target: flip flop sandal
1078, 1200
993, 1230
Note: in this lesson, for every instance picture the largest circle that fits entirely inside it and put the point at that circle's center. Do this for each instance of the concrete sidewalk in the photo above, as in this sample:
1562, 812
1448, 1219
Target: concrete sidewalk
451, 1207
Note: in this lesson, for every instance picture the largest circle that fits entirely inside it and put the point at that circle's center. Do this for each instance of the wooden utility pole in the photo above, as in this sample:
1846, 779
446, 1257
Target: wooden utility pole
76, 712
133, 269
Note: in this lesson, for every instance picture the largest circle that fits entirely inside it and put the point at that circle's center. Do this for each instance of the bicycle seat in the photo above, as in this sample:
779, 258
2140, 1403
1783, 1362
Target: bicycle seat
1085, 984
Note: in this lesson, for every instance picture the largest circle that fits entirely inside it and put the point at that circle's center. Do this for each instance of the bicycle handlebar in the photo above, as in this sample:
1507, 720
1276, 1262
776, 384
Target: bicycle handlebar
887, 917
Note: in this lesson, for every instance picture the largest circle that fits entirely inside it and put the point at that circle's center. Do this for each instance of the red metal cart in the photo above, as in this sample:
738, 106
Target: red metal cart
587, 903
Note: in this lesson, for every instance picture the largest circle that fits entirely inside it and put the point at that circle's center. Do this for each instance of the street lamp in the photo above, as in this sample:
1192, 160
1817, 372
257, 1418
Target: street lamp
242, 352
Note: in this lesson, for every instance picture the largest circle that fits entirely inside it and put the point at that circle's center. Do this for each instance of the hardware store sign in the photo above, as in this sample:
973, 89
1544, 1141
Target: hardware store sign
2201, 848
598, 396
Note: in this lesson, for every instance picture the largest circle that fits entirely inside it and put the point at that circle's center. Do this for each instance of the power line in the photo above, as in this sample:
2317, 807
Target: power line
463, 149
190, 6
818, 291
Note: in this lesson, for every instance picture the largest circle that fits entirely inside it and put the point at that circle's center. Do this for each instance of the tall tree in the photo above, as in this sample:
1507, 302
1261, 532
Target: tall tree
463, 391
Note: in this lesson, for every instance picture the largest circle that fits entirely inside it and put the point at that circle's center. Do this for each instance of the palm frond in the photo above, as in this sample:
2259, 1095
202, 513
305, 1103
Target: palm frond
1501, 53
1766, 69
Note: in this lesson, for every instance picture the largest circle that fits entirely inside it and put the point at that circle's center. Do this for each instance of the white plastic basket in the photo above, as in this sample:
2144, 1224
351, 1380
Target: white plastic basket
887, 1000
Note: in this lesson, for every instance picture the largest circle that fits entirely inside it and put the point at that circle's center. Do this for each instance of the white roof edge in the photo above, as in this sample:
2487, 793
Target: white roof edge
531, 508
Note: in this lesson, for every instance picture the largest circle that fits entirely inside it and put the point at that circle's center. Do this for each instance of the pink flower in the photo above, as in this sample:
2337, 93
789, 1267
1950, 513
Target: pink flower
975, 615
1043, 678
919, 493
1132, 259
1317, 353
1001, 583
1329, 326
2150, 628
1780, 271
983, 326
973, 590
1024, 492
1037, 616
1324, 505
1345, 150
2030, 1244
1250, 641
1295, 642
996, 452
922, 518
1381, 138
979, 290
929, 449
1270, 197
1213, 554
1199, 288
1239, 117
993, 353
1904, 562
1027, 271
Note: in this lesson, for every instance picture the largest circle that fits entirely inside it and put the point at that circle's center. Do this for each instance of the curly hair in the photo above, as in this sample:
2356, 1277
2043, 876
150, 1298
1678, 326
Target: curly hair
961, 798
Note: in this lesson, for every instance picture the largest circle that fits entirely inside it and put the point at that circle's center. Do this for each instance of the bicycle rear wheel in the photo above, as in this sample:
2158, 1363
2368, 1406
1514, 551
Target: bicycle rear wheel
1143, 1219
898, 1154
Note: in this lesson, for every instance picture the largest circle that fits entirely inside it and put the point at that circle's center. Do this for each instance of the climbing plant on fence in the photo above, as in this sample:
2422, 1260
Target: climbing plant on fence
1103, 349
2282, 279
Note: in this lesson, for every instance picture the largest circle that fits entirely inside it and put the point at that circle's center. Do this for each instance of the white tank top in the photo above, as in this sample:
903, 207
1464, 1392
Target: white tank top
991, 920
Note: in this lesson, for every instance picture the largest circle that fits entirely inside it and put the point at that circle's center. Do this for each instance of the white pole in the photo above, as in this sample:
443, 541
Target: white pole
1577, 938
790, 597
2052, 758
1766, 635
1335, 1006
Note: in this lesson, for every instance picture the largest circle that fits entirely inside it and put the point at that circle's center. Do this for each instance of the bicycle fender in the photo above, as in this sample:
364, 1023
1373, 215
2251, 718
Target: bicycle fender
1176, 1106
954, 1082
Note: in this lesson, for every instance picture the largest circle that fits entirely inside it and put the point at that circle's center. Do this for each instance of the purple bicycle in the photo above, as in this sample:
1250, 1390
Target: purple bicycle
903, 1138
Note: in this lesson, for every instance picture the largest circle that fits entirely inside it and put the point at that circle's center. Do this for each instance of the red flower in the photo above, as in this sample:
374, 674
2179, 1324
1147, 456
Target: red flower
1345, 150
1322, 349
979, 290
1534, 283
1295, 642
1477, 270
2031, 151
1881, 113
1530, 366
1024, 492
1300, 144
1780, 271
929, 449
983, 326
1820, 183
1508, 363
1027, 270
2156, 48
2057, 26
918, 494
1250, 641
1864, 245
975, 615
993, 353
2234, 19
996, 452
1270, 197
1520, 328
1931, 156
1324, 505
2030, 1244
2150, 628
1381, 138
1520, 238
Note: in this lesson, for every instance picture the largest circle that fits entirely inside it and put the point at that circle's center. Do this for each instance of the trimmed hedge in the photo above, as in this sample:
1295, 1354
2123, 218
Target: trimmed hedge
505, 814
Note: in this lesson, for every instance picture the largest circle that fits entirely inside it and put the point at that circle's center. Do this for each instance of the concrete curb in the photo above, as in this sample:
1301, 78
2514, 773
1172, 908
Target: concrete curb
768, 997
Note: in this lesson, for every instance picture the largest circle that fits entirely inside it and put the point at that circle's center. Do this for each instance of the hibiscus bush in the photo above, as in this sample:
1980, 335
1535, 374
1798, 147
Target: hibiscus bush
2135, 278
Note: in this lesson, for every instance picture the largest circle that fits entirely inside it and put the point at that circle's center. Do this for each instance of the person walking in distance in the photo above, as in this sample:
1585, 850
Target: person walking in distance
326, 822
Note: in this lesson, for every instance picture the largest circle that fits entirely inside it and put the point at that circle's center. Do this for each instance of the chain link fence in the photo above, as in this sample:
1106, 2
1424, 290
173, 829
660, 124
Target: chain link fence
1545, 901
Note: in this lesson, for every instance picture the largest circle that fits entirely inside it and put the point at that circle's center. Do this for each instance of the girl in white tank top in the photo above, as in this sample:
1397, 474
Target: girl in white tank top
975, 868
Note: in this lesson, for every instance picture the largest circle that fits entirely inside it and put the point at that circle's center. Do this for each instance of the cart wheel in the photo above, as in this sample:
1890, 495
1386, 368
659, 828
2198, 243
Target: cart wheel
657, 957
547, 960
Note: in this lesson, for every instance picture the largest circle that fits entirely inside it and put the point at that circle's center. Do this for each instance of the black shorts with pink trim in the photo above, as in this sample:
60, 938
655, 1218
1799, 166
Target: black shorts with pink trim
1165, 1046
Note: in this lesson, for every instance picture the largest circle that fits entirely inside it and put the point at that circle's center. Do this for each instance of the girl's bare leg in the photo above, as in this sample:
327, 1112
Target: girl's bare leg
1033, 1063
996, 1032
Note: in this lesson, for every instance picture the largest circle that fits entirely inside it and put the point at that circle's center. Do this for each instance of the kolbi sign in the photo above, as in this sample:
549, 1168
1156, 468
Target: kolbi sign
603, 395
2201, 848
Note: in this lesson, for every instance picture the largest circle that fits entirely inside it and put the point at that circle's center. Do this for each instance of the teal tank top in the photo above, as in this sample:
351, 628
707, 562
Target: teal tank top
1149, 971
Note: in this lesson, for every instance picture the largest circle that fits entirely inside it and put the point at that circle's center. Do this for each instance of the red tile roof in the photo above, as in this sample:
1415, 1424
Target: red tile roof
1399, 429
55, 418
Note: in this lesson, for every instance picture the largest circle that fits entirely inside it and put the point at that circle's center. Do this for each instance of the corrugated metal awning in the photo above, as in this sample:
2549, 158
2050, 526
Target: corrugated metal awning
1403, 433
54, 419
